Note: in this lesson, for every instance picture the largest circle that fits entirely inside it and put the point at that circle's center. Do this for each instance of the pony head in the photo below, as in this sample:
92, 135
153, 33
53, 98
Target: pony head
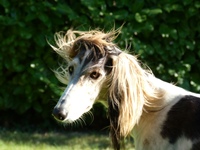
89, 61
95, 65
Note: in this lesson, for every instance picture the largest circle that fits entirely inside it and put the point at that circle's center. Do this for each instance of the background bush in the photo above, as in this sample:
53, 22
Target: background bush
164, 33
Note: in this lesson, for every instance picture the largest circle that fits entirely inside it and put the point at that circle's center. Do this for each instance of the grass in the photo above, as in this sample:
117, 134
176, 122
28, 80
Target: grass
18, 140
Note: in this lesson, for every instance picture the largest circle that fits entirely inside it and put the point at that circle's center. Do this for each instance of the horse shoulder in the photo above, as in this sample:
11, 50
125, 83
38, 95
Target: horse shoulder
177, 125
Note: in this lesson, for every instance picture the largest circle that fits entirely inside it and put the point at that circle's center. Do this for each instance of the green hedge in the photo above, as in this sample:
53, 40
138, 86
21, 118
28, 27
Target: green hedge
164, 33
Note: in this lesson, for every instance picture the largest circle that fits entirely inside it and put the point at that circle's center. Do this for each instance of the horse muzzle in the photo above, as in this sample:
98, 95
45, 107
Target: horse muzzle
59, 114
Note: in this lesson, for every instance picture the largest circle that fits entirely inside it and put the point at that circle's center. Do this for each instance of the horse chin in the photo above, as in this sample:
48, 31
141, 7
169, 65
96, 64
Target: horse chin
73, 118
68, 120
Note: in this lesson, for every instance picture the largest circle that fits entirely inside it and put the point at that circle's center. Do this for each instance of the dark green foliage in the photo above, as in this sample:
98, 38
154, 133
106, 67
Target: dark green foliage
166, 35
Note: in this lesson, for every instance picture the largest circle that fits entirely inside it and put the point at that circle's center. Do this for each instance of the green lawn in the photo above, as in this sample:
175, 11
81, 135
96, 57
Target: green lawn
17, 140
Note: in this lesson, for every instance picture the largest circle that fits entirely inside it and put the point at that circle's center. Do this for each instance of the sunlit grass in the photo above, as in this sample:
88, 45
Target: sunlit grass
17, 140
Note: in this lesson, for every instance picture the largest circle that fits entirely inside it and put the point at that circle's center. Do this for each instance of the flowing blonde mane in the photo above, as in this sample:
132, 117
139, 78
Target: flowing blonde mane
136, 93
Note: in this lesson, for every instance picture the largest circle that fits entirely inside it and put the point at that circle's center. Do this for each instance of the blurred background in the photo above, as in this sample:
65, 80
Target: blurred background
165, 34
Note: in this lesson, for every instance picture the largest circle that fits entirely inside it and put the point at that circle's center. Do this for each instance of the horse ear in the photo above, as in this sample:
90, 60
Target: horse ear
108, 65
110, 60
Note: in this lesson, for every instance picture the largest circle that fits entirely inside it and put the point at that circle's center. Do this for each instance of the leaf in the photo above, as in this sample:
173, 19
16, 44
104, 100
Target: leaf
197, 4
43, 17
120, 15
137, 5
5, 3
164, 29
140, 18
152, 12
173, 7
190, 58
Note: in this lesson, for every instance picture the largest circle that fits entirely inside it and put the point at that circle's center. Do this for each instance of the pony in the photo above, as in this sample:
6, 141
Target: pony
159, 115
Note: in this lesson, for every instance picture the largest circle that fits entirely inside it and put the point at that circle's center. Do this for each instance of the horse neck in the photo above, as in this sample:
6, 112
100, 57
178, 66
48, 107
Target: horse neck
170, 94
152, 117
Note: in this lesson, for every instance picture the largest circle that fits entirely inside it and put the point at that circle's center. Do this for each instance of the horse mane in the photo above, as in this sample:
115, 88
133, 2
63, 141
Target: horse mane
130, 94
130, 91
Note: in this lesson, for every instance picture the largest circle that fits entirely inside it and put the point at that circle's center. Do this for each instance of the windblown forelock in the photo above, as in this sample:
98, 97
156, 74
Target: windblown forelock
69, 44
92, 51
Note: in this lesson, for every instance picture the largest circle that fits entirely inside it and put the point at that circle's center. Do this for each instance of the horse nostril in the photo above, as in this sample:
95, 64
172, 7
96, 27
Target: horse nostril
59, 114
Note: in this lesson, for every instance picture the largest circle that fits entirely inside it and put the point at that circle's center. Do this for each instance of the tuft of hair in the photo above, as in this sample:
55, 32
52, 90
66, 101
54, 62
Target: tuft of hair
130, 94
69, 43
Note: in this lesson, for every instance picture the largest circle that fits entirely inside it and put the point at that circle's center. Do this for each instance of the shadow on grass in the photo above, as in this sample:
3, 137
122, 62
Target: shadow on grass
96, 140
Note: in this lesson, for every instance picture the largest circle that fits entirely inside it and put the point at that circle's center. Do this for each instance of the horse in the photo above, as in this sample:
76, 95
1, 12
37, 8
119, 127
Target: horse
159, 115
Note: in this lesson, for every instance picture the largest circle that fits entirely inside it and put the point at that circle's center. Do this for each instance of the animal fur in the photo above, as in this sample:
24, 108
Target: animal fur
160, 116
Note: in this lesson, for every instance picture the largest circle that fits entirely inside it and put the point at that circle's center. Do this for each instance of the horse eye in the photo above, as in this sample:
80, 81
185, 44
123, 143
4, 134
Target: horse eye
94, 75
71, 69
